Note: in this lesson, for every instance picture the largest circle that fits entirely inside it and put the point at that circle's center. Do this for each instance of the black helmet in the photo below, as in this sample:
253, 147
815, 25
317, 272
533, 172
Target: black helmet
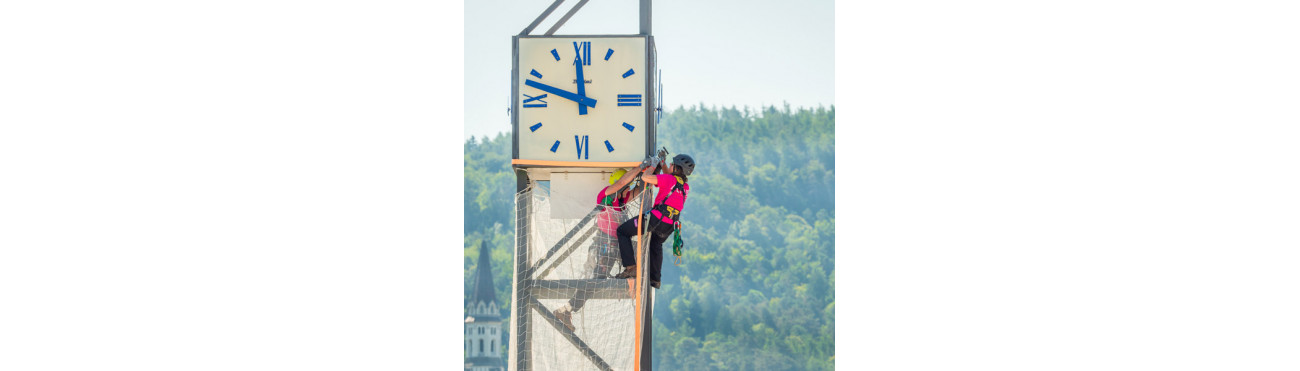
685, 162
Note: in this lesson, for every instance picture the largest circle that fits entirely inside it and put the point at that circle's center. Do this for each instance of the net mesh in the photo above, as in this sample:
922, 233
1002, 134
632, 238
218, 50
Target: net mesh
574, 315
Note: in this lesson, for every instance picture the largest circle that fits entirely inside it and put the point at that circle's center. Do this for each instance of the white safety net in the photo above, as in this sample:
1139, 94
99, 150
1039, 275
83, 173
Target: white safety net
576, 316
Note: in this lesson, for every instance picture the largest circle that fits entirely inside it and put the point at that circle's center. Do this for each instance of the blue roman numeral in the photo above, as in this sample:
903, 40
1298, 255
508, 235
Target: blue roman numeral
582, 49
584, 150
629, 100
532, 98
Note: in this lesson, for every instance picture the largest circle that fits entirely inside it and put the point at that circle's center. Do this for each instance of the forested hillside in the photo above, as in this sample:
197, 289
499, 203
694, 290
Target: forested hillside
756, 291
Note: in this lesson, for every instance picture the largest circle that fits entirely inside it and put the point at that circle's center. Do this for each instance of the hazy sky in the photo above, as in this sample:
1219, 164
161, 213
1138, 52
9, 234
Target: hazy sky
725, 52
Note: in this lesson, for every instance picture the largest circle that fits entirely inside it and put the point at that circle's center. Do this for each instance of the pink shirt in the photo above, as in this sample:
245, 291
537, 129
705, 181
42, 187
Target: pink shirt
608, 221
677, 200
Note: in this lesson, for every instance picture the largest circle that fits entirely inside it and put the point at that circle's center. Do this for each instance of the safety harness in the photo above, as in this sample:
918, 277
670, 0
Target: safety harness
674, 215
670, 212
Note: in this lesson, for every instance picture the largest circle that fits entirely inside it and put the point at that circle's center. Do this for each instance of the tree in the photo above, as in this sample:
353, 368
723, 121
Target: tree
757, 289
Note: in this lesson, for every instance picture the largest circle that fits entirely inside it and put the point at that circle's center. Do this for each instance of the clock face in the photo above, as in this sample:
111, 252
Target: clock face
582, 99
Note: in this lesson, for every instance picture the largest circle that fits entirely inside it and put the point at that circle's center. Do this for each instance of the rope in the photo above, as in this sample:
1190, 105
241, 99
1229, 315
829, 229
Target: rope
640, 283
678, 245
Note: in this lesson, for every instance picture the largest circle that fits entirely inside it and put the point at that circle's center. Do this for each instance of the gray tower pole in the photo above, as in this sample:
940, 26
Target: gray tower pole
647, 325
645, 17
522, 343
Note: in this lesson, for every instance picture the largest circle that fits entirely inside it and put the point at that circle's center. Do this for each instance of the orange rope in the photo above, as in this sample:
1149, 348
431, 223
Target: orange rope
639, 282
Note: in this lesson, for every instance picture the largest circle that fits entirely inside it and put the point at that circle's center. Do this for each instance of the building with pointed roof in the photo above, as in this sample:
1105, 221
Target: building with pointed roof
483, 320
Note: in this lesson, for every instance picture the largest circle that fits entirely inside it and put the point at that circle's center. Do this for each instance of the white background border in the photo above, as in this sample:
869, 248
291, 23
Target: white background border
246, 185
263, 185
1068, 185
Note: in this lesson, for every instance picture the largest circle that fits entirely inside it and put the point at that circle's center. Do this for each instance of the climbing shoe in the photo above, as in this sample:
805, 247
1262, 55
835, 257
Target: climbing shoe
629, 272
654, 284
566, 317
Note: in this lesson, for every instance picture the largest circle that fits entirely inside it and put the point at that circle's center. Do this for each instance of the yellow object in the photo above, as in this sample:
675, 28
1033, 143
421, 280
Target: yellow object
618, 174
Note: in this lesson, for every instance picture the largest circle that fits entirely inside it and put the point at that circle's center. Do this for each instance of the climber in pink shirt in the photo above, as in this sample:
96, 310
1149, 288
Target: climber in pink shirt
660, 220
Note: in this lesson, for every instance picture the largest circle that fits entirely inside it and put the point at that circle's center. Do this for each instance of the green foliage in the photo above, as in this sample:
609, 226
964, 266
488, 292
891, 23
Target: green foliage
489, 216
757, 288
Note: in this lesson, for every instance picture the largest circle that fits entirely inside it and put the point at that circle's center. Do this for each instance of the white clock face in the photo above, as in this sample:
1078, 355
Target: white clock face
582, 99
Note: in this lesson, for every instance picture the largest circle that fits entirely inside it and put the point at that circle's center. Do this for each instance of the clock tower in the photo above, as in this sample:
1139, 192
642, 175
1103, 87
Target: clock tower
582, 107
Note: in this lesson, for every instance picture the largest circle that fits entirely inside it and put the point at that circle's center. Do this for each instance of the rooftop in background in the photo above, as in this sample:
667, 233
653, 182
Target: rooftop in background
483, 290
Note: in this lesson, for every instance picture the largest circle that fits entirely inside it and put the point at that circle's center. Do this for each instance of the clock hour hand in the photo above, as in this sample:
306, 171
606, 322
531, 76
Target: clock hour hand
583, 100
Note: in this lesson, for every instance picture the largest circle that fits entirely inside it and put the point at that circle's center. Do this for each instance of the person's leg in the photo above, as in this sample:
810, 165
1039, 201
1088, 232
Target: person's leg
656, 256
606, 255
577, 302
565, 315
594, 264
612, 255
626, 250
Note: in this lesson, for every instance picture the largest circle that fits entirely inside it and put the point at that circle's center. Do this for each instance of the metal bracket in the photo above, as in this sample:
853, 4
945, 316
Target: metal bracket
659, 102
645, 23
539, 19
591, 289
566, 16
645, 17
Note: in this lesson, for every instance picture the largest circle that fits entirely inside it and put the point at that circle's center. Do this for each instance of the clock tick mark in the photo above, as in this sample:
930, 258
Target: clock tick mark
626, 125
555, 54
609, 146
629, 100
628, 73
555, 146
535, 127
609, 53
534, 73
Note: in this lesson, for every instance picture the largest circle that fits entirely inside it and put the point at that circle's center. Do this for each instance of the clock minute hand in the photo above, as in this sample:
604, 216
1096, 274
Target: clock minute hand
582, 85
583, 100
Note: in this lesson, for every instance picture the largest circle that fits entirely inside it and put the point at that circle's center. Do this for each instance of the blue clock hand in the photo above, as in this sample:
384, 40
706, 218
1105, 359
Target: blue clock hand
561, 93
582, 86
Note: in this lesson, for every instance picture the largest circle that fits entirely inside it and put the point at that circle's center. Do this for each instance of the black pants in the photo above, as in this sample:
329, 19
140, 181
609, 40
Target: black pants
627, 250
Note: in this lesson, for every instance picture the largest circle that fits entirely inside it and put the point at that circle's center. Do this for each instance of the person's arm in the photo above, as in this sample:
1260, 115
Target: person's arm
634, 192
651, 178
627, 178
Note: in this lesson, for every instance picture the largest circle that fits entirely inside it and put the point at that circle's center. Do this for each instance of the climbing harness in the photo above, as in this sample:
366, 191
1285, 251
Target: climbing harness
669, 212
